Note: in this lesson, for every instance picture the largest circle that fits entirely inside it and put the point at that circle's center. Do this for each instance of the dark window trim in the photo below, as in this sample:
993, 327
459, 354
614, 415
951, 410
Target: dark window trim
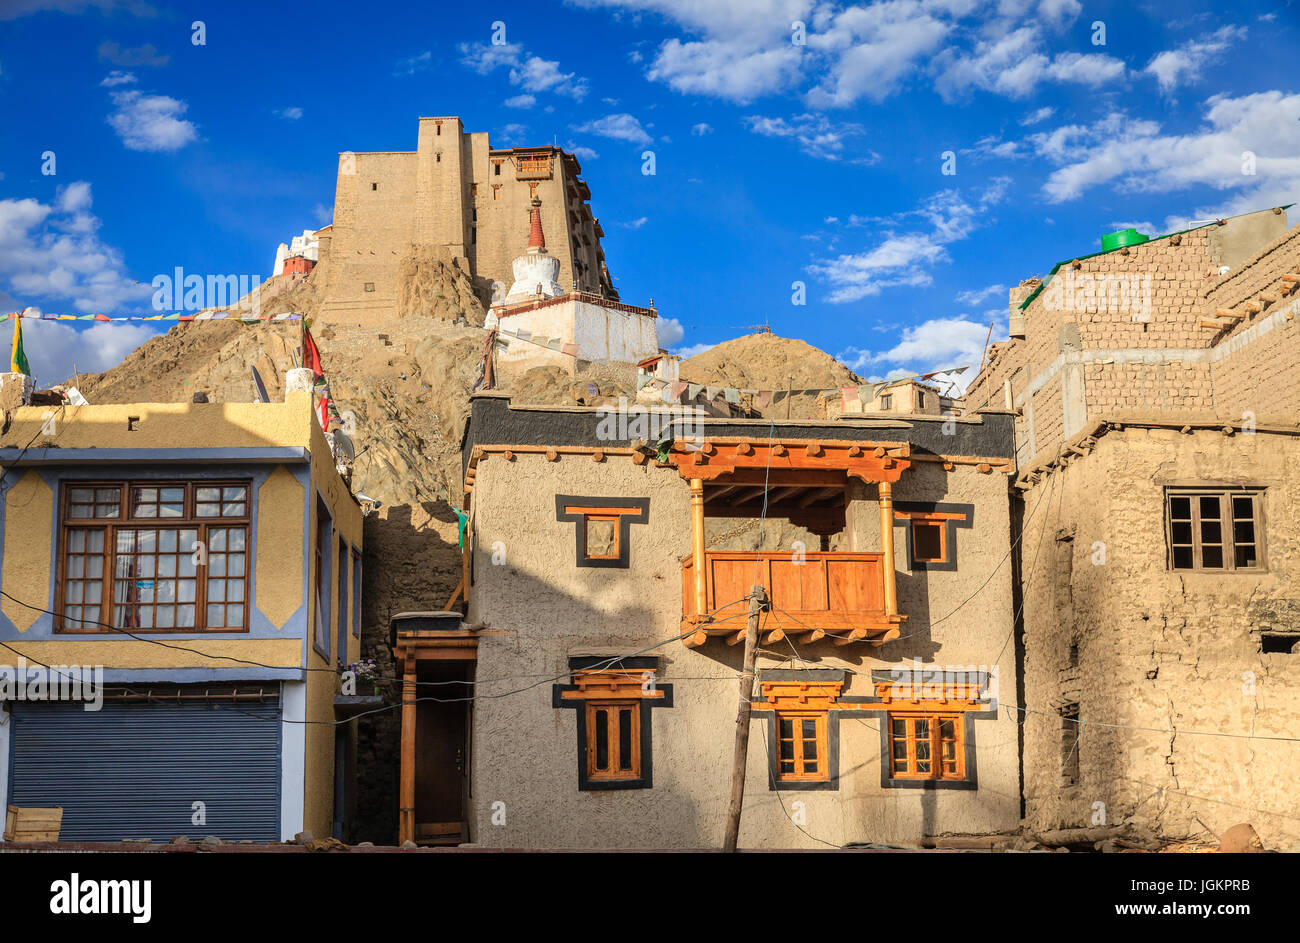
587, 663
950, 530
887, 779
625, 521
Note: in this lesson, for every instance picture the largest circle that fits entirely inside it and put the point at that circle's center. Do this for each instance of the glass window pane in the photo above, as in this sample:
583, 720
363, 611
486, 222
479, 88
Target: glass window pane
80, 495
217, 538
236, 538
625, 739
76, 567
1180, 508
1243, 507
185, 616
1243, 532
94, 593
95, 567
185, 590
166, 617
1211, 532
233, 494
602, 739
1245, 555
207, 494
235, 564
166, 566
1181, 532
95, 541
1212, 557
232, 509
1209, 507
235, 590
167, 541
217, 564
1182, 558
217, 590
216, 616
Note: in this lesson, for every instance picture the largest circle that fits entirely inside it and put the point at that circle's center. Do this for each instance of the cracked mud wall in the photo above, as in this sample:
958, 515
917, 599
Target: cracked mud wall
1167, 668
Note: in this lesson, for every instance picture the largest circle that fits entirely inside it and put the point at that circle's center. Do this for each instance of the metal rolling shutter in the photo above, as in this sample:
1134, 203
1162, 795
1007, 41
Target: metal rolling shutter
134, 769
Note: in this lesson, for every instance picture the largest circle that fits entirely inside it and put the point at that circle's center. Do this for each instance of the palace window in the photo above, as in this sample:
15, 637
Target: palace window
1215, 529
931, 537
154, 556
803, 708
927, 746
801, 746
603, 527
927, 733
612, 697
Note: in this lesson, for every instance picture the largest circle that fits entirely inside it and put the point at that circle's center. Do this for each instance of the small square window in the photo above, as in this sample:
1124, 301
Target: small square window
928, 544
1214, 529
374, 186
927, 746
602, 538
887, 401
370, 286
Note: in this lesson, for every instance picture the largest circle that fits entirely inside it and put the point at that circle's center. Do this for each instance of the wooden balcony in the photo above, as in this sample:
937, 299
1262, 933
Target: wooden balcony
820, 594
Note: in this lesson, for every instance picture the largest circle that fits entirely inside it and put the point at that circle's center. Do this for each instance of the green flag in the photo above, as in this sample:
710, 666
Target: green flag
18, 359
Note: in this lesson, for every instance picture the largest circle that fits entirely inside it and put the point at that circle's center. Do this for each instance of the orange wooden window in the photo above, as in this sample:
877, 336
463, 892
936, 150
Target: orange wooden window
928, 541
613, 744
927, 746
801, 746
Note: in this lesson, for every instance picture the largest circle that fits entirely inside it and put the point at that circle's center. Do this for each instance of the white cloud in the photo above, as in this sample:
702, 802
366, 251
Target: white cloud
413, 64
289, 114
873, 49
816, 135
634, 223
1013, 64
513, 133
324, 214
147, 54
1131, 155
52, 254
1188, 62
671, 332
1038, 116
531, 73
701, 129
935, 344
686, 353
725, 68
620, 127
582, 153
55, 349
520, 101
117, 77
977, 295
1146, 228
13, 9
904, 259
151, 122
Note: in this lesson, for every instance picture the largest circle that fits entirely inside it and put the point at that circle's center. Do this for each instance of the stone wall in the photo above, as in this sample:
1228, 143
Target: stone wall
1165, 665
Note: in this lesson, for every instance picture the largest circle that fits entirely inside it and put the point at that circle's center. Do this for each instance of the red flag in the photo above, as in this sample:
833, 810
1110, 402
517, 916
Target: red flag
311, 355
322, 413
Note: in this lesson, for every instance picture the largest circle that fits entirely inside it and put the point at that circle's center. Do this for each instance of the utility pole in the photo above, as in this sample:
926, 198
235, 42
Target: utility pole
757, 602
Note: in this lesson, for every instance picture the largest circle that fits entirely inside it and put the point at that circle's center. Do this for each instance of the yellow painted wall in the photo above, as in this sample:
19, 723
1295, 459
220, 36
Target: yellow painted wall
279, 551
29, 509
135, 653
167, 425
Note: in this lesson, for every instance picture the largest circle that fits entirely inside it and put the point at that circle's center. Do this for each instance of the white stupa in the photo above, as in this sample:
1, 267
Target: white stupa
536, 271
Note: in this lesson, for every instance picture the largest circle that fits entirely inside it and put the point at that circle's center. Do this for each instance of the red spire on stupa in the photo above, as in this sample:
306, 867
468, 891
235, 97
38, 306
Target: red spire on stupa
535, 238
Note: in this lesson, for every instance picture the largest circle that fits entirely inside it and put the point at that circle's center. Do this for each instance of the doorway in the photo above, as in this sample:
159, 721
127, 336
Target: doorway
442, 742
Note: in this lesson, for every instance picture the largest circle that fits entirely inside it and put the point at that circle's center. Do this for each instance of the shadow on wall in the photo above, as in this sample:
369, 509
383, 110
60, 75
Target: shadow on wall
412, 563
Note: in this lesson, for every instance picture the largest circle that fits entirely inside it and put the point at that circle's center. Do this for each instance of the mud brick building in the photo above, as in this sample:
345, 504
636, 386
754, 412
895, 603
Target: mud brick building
461, 199
1158, 440
606, 585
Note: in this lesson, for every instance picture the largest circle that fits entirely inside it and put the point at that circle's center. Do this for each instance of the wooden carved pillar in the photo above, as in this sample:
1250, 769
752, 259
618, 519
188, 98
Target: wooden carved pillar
406, 813
697, 545
887, 546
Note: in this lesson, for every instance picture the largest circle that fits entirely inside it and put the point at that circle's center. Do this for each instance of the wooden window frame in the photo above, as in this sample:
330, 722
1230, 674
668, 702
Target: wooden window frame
1227, 519
621, 512
614, 770
934, 739
821, 740
949, 517
613, 685
126, 521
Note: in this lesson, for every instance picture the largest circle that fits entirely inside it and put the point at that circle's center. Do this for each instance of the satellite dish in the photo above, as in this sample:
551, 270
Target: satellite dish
345, 452
261, 387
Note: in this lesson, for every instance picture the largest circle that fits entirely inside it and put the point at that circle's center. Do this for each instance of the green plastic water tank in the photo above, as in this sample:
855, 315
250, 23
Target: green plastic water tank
1125, 237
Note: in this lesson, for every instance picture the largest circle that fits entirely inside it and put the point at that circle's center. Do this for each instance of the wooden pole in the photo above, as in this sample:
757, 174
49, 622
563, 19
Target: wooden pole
757, 598
697, 547
887, 546
406, 814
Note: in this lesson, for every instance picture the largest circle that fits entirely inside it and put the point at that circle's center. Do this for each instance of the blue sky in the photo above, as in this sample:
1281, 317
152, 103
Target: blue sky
781, 154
